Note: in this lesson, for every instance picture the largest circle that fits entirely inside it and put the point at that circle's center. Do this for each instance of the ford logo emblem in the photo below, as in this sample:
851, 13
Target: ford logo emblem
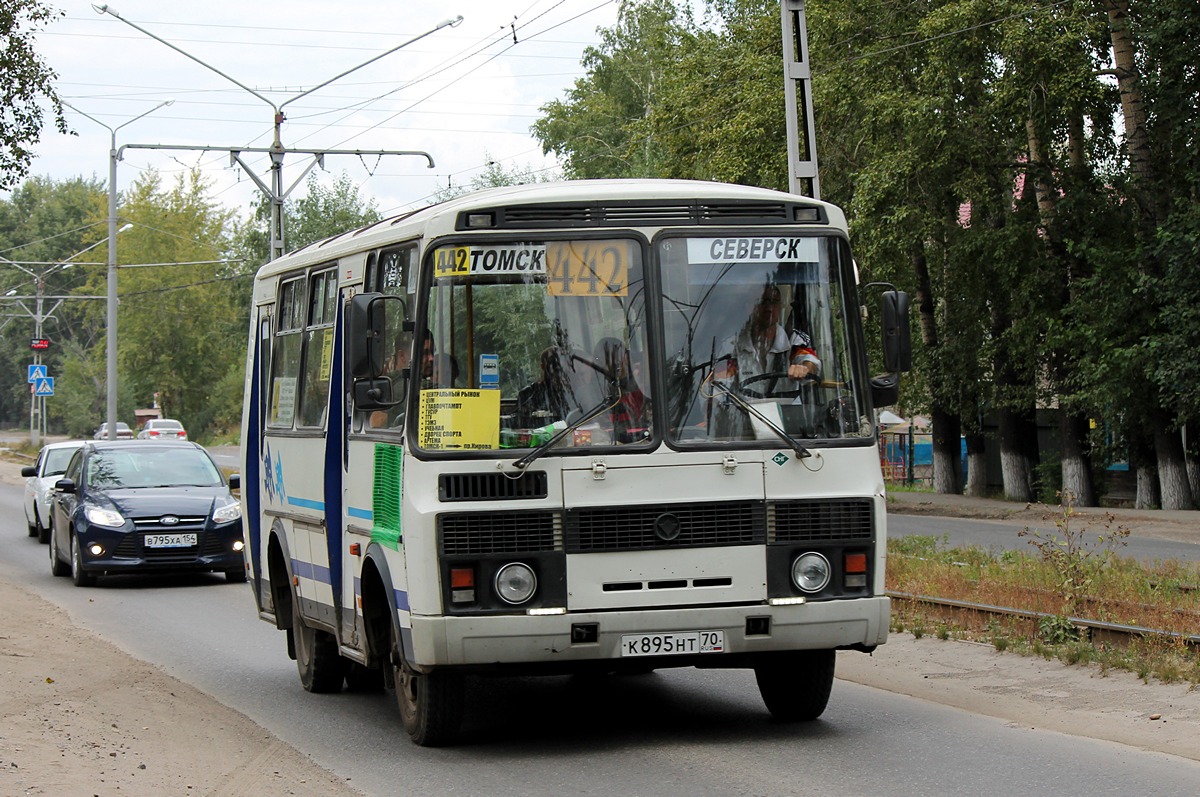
168, 520
667, 527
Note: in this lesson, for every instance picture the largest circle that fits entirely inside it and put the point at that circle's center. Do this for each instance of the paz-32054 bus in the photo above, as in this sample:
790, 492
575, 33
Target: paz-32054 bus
598, 425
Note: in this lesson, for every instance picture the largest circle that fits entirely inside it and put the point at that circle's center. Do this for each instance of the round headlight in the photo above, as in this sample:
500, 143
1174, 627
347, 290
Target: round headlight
810, 572
515, 583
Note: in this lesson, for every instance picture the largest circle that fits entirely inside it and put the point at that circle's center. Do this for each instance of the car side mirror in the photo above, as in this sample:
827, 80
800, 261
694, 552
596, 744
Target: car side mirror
375, 321
65, 485
29, 470
235, 481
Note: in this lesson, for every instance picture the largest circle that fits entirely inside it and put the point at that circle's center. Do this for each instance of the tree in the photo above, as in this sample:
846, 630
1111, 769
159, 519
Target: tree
24, 80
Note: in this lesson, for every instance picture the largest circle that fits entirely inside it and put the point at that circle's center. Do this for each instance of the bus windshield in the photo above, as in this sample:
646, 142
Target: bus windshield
757, 340
528, 338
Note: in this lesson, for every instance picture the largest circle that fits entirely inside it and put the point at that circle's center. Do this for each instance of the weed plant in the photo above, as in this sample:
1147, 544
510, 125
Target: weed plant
1072, 572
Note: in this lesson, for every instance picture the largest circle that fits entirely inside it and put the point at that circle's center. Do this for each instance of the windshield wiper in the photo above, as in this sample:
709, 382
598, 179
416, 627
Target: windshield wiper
748, 408
527, 460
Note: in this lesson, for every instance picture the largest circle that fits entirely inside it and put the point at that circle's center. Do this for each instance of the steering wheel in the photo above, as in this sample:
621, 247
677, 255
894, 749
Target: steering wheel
770, 393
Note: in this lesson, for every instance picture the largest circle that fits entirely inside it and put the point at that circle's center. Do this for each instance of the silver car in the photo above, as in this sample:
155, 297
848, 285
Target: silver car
162, 429
39, 485
123, 432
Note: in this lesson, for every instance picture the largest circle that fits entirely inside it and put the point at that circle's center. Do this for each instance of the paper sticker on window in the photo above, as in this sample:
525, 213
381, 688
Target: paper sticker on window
453, 419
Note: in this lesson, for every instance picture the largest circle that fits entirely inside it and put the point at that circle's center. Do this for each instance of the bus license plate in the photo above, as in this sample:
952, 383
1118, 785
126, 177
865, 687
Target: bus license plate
169, 540
672, 644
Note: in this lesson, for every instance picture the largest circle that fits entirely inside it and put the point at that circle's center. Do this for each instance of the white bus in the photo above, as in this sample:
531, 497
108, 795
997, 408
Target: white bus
604, 426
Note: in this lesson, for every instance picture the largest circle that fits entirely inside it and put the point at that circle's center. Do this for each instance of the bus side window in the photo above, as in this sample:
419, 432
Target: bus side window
318, 353
285, 357
392, 273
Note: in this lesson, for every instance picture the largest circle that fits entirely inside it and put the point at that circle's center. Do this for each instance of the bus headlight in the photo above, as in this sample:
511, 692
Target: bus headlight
515, 583
810, 572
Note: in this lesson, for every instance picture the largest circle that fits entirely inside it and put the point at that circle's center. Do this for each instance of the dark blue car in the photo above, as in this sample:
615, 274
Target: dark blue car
134, 507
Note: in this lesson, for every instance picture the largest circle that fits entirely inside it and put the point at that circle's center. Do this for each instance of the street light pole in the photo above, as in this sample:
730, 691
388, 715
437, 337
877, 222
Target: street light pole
37, 404
277, 194
111, 318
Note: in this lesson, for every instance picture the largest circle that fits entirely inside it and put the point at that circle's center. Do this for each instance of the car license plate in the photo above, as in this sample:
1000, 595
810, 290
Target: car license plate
169, 540
672, 644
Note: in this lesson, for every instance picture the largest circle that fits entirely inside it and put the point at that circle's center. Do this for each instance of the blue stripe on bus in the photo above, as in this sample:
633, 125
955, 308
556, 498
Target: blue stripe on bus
302, 569
363, 514
401, 599
307, 503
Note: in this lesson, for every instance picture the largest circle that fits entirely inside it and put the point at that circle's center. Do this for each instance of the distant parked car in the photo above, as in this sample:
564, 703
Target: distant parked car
161, 429
39, 484
126, 507
123, 432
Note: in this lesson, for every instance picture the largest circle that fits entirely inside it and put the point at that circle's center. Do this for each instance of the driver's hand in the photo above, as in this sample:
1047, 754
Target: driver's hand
801, 370
726, 369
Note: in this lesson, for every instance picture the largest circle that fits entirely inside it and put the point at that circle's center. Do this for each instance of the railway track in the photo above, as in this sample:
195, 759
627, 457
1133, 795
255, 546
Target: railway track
1096, 630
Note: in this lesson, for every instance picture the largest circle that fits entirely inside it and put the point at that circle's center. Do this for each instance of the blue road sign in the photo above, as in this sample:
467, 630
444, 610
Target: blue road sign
44, 386
36, 372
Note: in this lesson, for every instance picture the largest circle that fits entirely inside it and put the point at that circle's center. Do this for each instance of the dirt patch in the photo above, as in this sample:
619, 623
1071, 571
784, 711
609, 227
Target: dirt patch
82, 717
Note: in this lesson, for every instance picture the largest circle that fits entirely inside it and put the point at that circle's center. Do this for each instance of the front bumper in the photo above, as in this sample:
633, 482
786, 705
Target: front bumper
217, 549
541, 641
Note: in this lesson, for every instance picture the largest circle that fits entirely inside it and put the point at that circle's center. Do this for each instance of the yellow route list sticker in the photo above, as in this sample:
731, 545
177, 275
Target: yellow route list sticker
459, 419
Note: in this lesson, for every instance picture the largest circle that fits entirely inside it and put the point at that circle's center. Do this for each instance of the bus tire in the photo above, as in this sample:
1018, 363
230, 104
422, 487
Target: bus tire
795, 686
321, 669
431, 704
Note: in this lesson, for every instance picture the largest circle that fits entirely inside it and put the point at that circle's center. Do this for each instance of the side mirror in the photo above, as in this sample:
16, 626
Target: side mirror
29, 470
897, 338
367, 335
235, 481
373, 394
885, 389
65, 485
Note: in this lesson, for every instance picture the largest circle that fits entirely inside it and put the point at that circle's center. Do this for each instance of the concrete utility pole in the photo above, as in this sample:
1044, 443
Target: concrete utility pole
275, 192
803, 177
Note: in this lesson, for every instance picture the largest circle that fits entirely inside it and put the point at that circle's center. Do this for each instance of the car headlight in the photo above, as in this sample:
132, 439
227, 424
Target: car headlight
99, 516
515, 583
810, 572
224, 514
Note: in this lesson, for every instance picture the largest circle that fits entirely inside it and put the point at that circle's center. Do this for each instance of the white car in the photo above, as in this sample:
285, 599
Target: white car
162, 429
39, 485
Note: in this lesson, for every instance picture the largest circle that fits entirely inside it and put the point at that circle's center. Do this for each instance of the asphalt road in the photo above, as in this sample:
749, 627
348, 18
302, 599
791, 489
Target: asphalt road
685, 732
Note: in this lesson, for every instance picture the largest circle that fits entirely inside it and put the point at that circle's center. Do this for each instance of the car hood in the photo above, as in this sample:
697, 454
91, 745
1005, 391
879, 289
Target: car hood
151, 501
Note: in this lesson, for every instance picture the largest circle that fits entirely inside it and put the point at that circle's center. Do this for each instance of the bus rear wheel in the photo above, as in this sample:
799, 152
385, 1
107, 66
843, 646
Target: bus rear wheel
431, 704
795, 686
321, 669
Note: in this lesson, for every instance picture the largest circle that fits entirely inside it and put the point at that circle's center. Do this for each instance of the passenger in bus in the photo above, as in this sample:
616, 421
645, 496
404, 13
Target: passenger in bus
546, 399
764, 346
394, 368
630, 412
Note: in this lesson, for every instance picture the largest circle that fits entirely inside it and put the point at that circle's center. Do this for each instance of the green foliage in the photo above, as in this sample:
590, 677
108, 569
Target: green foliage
25, 80
1075, 554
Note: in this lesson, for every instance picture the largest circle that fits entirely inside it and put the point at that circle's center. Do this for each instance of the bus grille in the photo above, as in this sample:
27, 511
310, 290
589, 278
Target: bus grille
483, 533
491, 486
822, 521
627, 528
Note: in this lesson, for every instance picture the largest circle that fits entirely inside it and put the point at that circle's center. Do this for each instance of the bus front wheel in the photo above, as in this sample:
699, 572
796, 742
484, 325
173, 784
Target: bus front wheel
431, 703
795, 686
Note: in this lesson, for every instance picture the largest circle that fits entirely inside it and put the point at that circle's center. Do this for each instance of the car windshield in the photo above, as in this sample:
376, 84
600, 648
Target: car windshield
158, 468
56, 461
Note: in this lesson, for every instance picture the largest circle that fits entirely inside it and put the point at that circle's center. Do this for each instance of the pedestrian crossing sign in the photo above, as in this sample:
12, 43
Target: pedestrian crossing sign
36, 372
44, 386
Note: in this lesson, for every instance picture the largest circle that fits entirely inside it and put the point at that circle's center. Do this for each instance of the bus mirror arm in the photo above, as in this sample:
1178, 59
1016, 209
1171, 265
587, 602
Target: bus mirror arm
373, 394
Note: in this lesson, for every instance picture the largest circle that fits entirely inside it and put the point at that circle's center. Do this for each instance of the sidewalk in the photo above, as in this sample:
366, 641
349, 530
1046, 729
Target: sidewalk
1179, 525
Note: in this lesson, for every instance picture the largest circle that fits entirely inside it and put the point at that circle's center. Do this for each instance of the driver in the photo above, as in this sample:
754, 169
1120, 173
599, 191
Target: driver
763, 346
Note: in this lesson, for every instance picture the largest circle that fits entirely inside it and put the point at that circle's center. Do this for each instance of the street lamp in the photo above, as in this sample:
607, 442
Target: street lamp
38, 409
111, 331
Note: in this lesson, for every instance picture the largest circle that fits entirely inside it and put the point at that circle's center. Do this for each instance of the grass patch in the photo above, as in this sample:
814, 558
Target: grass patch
1070, 572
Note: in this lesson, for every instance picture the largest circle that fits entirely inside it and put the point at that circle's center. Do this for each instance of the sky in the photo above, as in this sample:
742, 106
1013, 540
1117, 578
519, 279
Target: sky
466, 94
